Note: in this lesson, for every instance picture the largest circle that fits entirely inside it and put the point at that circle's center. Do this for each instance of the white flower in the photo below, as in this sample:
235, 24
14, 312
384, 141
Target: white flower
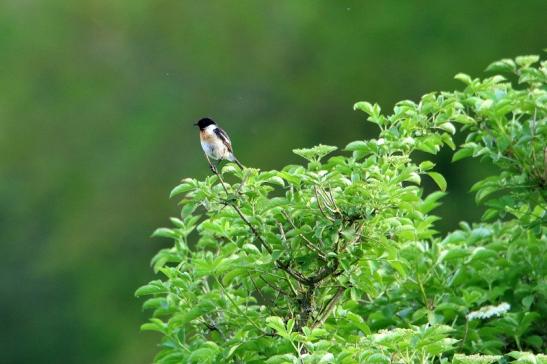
409, 140
381, 141
327, 358
489, 311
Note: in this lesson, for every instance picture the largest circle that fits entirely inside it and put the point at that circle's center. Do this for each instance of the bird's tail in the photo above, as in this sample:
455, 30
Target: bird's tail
232, 158
238, 163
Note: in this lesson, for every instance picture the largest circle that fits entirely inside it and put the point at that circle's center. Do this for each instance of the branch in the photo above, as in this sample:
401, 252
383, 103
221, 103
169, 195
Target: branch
273, 287
324, 315
307, 241
218, 175
237, 307
295, 274
319, 205
256, 234
324, 273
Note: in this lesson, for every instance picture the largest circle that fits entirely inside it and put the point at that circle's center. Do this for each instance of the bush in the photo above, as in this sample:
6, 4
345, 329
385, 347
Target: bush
338, 260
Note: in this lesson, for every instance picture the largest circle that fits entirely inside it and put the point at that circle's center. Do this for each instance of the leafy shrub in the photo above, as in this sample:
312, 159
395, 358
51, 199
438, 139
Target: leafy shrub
338, 260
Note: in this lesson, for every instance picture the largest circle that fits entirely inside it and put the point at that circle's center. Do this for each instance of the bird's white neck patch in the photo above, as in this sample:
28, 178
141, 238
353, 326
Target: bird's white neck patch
210, 128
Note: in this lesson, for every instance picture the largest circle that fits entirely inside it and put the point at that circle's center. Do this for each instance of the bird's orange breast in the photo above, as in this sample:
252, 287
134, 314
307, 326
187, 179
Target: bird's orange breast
205, 136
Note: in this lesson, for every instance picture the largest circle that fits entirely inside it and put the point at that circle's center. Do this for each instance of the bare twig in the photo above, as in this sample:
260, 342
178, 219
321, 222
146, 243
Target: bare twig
325, 313
257, 289
277, 289
333, 200
307, 241
320, 207
237, 307
255, 232
215, 171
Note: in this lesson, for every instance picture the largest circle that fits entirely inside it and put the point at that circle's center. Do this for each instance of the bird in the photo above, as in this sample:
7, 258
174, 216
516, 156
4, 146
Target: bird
215, 142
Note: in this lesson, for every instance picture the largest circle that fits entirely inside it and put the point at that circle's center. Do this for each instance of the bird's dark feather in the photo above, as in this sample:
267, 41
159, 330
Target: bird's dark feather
224, 137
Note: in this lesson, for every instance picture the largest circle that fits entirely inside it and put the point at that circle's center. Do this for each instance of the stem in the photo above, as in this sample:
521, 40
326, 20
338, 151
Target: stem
517, 340
465, 333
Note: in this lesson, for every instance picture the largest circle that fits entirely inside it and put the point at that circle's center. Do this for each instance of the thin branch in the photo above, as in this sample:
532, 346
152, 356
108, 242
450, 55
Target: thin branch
295, 274
312, 247
256, 234
334, 208
257, 289
332, 199
319, 205
293, 290
324, 315
237, 307
273, 287
308, 243
215, 171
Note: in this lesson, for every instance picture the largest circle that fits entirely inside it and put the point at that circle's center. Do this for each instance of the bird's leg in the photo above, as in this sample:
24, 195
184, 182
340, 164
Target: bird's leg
213, 169
218, 163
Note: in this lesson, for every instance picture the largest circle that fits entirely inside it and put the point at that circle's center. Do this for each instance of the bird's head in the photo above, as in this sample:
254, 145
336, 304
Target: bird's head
204, 122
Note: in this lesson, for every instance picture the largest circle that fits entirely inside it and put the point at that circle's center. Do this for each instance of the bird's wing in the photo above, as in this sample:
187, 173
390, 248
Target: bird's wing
224, 137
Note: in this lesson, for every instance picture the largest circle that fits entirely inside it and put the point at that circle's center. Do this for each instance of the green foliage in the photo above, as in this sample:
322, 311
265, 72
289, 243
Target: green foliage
339, 260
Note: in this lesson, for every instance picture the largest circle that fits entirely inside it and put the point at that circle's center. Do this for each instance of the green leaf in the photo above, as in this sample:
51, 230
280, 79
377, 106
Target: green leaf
153, 287
202, 355
315, 153
461, 154
449, 127
364, 106
154, 325
426, 165
164, 233
463, 78
276, 180
504, 65
526, 61
183, 187
439, 180
277, 324
203, 307
358, 322
357, 145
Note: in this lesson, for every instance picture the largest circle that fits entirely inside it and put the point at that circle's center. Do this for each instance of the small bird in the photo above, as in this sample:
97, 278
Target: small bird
215, 142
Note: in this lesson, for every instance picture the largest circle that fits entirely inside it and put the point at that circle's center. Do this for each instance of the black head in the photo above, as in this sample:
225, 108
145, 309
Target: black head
205, 122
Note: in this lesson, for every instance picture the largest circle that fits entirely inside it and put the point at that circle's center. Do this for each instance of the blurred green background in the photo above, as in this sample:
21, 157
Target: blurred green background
97, 101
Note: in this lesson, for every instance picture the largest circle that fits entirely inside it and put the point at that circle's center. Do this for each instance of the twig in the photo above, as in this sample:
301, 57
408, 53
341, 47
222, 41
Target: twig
312, 247
319, 205
308, 243
333, 200
333, 209
293, 290
257, 289
237, 307
273, 287
256, 234
284, 237
324, 315
215, 171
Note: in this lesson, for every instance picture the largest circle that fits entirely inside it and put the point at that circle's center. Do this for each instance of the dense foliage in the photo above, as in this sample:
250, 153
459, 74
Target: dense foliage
338, 260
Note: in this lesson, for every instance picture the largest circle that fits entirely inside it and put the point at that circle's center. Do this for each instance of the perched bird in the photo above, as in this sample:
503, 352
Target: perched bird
215, 142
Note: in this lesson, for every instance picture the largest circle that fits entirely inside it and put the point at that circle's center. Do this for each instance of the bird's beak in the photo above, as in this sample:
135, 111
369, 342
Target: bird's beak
195, 124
